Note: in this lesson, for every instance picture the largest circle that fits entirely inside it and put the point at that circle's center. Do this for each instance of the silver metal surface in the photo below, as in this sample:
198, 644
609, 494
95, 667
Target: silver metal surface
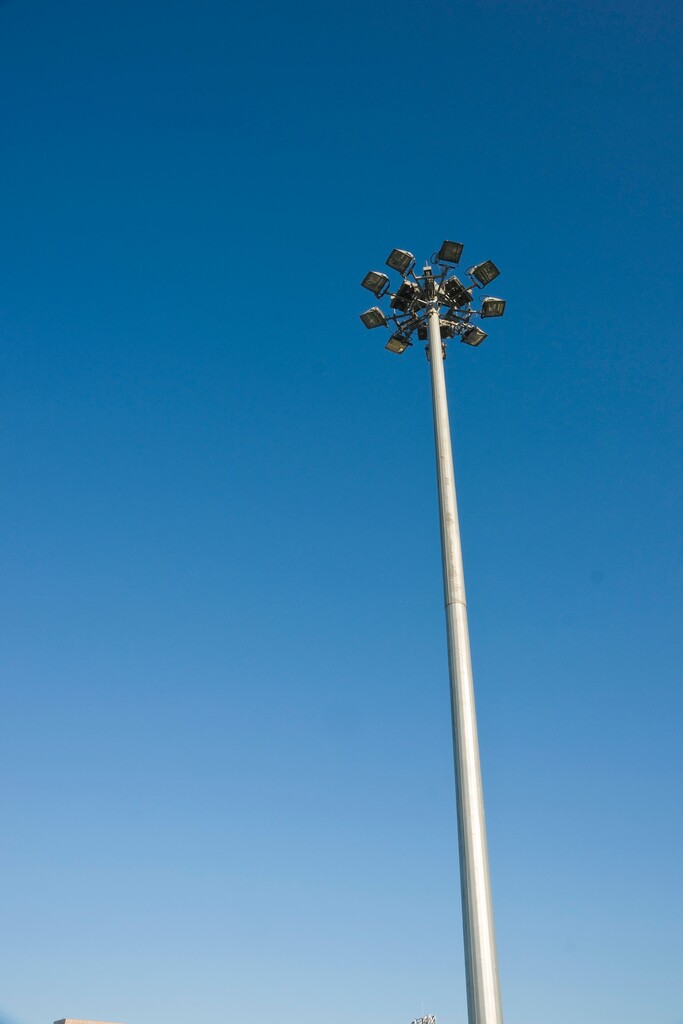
481, 962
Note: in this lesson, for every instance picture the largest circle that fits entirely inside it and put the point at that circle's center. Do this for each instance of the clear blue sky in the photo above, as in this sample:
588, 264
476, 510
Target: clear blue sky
225, 741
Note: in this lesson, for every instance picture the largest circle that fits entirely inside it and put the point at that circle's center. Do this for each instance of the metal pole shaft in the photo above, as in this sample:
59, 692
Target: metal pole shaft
481, 962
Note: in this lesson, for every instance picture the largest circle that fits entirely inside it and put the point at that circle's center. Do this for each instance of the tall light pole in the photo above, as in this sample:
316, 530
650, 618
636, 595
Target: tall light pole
435, 306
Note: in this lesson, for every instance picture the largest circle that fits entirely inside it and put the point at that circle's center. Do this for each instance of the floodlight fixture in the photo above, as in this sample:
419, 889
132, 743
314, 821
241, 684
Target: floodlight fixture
406, 297
398, 343
484, 273
399, 259
374, 318
473, 335
455, 293
492, 307
450, 252
375, 282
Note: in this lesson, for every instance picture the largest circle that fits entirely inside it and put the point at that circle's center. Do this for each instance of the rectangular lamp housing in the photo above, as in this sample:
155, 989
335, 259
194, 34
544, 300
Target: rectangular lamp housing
484, 273
397, 343
375, 282
473, 336
450, 252
405, 297
400, 259
374, 318
492, 307
455, 292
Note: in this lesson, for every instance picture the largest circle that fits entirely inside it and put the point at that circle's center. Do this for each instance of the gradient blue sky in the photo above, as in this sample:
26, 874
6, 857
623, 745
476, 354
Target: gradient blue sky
226, 767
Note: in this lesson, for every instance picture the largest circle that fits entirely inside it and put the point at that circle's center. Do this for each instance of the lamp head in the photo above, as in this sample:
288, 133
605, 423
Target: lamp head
450, 252
374, 318
484, 273
398, 343
401, 260
473, 336
406, 297
454, 293
375, 282
492, 307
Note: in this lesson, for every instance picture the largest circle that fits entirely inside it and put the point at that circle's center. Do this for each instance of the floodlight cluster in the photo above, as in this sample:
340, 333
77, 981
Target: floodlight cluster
437, 287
